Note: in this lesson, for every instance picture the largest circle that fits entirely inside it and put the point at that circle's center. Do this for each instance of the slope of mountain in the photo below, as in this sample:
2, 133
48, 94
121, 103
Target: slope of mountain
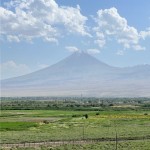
81, 73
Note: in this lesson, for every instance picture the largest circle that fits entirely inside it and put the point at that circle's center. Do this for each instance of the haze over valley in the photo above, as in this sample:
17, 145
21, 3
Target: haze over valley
81, 73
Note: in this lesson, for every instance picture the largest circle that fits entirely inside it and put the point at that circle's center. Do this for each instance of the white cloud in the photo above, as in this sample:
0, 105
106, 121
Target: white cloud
12, 38
100, 38
138, 47
100, 42
40, 19
12, 69
72, 48
120, 52
111, 24
93, 51
145, 34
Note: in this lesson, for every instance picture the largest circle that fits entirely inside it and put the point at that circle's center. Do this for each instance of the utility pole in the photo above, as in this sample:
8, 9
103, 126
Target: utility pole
116, 141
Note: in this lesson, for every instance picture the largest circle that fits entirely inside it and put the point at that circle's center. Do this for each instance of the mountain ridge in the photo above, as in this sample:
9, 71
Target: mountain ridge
81, 72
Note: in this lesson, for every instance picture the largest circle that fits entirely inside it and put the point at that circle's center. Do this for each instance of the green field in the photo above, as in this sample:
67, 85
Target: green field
29, 126
20, 126
125, 145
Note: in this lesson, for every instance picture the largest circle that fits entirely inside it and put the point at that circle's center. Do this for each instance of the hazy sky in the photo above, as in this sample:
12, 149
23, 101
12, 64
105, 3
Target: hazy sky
38, 33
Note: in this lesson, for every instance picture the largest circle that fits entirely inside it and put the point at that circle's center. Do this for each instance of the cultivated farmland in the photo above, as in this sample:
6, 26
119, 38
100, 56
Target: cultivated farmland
122, 126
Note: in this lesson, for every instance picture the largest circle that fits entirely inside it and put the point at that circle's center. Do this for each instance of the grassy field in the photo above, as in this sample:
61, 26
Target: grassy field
19, 126
77, 120
125, 145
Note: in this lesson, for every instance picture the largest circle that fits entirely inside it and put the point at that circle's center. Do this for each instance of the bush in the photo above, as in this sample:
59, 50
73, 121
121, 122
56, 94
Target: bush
45, 122
97, 113
76, 115
86, 116
111, 104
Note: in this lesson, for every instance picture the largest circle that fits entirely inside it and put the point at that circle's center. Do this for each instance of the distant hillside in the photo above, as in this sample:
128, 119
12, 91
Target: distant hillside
81, 73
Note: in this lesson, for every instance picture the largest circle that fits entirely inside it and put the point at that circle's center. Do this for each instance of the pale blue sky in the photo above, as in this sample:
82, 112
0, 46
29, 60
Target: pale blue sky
38, 34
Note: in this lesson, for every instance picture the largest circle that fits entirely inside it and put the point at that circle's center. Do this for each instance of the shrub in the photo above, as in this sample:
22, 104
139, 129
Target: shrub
86, 116
76, 115
111, 104
45, 122
97, 113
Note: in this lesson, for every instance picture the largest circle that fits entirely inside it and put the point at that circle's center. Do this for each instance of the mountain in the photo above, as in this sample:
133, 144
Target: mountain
81, 73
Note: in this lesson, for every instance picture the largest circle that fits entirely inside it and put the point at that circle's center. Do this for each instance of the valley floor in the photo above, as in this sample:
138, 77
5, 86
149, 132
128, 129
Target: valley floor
113, 128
